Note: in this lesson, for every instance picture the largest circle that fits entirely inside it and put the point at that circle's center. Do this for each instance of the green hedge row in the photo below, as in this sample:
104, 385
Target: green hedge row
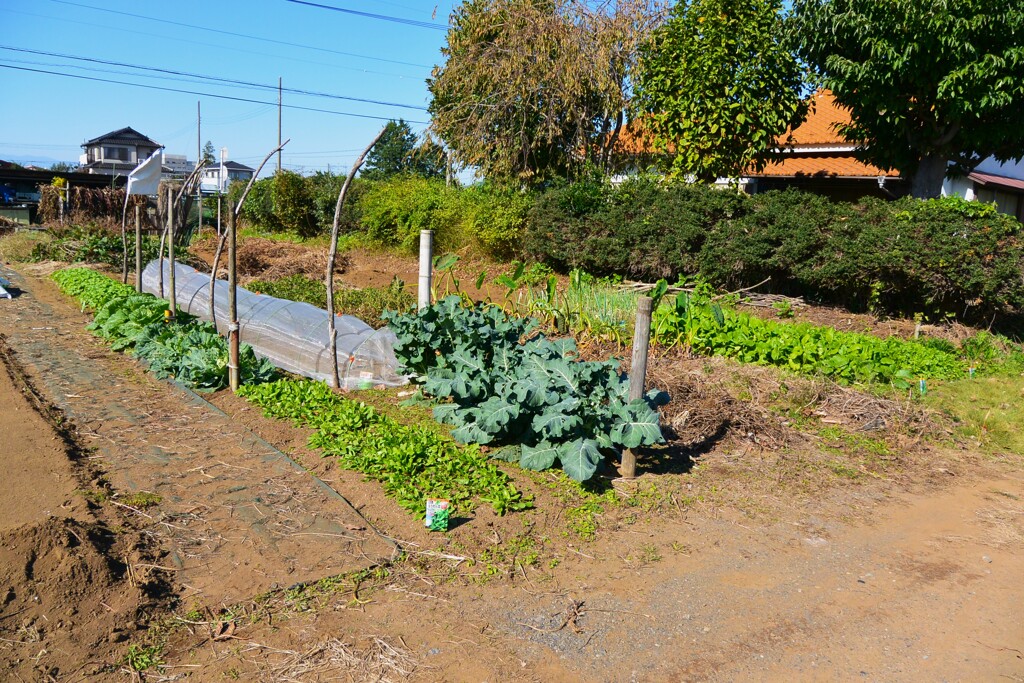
944, 257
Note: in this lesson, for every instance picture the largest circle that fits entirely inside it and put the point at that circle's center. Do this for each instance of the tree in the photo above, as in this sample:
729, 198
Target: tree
397, 152
209, 153
718, 85
933, 87
63, 167
532, 89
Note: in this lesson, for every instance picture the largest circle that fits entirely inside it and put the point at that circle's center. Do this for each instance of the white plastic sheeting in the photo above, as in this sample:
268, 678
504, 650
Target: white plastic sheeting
293, 335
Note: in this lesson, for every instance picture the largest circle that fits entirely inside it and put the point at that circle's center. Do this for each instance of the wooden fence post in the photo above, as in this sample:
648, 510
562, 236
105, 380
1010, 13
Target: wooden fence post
426, 268
138, 248
638, 371
172, 294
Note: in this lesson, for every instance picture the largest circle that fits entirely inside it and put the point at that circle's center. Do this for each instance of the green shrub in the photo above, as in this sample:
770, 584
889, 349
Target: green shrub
93, 244
258, 209
495, 217
396, 210
293, 204
646, 228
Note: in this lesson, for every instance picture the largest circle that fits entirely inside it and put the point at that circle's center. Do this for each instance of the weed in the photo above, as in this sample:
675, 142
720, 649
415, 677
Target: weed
140, 658
142, 500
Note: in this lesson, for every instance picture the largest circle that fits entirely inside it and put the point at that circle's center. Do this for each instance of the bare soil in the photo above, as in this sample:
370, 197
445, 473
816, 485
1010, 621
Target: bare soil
791, 530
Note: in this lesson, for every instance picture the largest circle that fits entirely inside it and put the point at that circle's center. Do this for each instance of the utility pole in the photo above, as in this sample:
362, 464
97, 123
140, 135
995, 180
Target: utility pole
199, 154
279, 124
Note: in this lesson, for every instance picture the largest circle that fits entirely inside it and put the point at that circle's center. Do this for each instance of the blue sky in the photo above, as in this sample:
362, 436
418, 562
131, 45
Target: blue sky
47, 117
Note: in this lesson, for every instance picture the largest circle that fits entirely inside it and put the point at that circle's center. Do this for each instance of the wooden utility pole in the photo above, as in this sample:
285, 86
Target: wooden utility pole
638, 371
279, 145
199, 155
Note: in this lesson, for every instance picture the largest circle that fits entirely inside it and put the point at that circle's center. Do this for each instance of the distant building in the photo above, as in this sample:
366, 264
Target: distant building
178, 164
117, 153
217, 178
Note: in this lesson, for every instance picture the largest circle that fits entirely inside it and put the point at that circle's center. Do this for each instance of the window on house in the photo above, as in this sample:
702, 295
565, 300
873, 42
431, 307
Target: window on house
115, 153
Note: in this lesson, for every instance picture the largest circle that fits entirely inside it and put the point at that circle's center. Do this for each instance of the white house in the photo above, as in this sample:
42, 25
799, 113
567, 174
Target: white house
217, 177
117, 153
992, 181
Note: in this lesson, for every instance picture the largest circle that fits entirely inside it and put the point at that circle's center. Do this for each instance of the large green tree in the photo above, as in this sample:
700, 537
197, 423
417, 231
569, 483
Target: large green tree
718, 84
933, 86
399, 152
532, 89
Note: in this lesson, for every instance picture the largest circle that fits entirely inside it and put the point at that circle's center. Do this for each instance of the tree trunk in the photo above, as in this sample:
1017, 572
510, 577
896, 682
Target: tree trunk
926, 183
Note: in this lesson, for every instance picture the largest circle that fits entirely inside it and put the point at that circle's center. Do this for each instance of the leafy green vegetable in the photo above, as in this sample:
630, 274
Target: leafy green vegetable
412, 463
503, 387
847, 357
189, 351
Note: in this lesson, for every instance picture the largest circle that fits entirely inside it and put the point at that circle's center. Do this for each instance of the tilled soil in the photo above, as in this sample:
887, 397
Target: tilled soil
237, 516
882, 579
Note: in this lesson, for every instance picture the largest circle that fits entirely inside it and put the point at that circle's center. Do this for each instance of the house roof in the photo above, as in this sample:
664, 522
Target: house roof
997, 181
820, 127
116, 166
123, 136
833, 165
814, 148
235, 166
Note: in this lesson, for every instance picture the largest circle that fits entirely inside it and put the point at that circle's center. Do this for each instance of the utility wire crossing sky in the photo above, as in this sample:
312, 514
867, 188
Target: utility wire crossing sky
72, 71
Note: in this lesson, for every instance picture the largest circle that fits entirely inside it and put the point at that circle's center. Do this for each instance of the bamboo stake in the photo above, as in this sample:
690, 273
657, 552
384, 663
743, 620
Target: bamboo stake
332, 255
233, 371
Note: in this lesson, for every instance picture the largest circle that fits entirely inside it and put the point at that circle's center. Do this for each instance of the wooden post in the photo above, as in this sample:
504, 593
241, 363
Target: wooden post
138, 248
426, 268
638, 371
172, 294
233, 374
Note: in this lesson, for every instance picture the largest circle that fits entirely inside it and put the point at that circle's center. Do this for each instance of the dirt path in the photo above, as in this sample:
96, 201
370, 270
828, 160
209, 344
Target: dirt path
238, 516
928, 589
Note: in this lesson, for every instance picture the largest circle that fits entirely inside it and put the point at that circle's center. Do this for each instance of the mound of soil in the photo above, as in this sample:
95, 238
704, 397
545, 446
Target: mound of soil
71, 589
269, 259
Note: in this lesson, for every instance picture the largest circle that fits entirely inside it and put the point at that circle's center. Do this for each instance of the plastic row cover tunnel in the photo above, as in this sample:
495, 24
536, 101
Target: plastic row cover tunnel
293, 335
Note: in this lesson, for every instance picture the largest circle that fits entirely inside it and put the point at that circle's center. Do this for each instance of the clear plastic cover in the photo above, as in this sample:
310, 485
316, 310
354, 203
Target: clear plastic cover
293, 335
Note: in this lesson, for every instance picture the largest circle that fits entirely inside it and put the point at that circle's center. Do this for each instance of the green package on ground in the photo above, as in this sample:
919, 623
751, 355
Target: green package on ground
437, 514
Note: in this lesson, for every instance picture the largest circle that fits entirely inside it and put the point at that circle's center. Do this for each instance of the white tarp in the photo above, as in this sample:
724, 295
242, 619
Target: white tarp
145, 179
292, 335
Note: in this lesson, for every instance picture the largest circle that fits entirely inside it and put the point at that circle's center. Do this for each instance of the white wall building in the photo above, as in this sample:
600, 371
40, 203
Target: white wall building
217, 177
992, 181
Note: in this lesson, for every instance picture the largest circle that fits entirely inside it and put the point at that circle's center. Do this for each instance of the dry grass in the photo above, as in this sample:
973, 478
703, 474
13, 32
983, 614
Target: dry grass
271, 260
379, 661
16, 247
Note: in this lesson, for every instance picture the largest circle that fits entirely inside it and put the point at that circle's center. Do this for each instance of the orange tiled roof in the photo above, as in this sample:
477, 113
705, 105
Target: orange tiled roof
818, 130
841, 164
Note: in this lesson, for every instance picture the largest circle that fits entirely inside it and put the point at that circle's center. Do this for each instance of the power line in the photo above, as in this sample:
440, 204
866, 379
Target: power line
202, 94
382, 17
136, 33
219, 79
239, 35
